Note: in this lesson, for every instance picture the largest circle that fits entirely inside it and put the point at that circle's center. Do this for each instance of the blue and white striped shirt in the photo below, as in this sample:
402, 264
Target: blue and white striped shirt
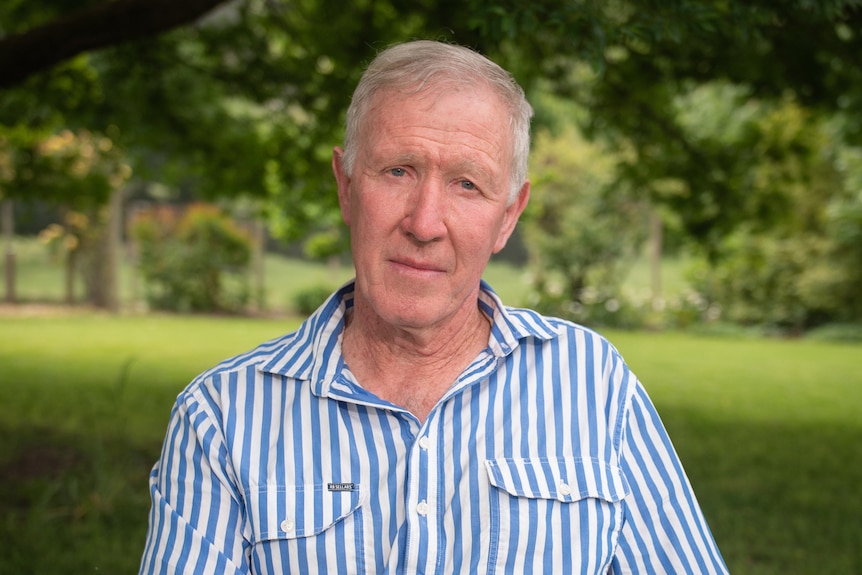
545, 456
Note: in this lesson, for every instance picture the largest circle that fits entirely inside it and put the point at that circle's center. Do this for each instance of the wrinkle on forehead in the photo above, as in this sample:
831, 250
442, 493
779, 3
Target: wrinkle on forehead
481, 135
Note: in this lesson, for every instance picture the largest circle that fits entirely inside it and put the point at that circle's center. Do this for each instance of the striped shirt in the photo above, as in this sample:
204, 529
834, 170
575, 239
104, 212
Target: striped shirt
545, 456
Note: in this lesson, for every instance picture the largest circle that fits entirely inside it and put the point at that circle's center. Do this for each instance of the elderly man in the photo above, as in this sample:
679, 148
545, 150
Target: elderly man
414, 424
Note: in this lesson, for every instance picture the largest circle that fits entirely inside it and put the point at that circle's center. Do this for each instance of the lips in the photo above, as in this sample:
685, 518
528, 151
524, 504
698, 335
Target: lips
410, 265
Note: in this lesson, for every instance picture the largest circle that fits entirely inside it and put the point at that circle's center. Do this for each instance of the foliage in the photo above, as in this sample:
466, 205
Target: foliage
77, 169
793, 262
196, 262
792, 50
250, 99
580, 230
710, 112
307, 300
846, 332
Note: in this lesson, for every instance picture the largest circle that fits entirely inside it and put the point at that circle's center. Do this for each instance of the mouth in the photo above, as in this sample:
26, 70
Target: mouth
416, 267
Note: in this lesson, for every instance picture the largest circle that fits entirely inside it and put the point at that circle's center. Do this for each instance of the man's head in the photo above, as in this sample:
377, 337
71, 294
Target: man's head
417, 66
428, 185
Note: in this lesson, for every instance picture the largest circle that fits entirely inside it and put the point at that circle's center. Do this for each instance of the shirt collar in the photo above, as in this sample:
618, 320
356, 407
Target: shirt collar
313, 352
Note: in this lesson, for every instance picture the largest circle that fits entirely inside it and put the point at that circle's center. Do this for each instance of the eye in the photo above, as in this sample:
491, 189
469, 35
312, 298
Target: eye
398, 172
468, 185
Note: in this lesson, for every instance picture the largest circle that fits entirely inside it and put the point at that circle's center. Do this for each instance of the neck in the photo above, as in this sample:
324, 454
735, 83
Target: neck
412, 367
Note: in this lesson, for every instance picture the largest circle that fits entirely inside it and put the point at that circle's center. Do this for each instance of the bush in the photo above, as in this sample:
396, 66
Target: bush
196, 261
595, 310
306, 301
847, 332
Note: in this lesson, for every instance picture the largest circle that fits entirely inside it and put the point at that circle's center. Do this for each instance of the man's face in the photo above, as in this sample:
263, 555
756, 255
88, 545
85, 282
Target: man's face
427, 203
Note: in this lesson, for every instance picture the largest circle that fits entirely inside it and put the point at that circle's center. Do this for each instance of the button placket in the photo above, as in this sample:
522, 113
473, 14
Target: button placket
423, 466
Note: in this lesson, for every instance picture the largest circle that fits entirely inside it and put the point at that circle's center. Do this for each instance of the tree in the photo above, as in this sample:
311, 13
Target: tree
92, 27
81, 171
808, 50
581, 228
250, 99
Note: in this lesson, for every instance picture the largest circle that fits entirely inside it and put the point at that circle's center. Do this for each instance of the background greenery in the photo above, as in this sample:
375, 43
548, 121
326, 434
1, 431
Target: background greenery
732, 128
736, 126
769, 430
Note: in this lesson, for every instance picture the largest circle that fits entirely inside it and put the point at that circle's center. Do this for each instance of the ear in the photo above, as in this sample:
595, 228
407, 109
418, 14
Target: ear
342, 180
511, 215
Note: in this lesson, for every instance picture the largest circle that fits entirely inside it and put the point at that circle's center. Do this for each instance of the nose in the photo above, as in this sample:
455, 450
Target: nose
425, 213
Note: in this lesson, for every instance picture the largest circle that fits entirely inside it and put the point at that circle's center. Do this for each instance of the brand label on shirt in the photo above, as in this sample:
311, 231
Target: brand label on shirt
342, 486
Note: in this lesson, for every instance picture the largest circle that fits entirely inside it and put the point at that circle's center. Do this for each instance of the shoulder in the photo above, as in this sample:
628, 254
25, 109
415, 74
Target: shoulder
564, 333
514, 324
290, 355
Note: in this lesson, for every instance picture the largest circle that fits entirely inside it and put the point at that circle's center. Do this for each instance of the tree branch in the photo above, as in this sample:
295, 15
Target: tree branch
99, 26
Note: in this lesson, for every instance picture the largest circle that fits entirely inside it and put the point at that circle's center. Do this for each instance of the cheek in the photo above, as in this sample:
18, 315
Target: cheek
373, 225
475, 243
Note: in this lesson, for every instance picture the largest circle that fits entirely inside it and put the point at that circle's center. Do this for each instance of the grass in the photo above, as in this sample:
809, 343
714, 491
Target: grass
86, 400
770, 431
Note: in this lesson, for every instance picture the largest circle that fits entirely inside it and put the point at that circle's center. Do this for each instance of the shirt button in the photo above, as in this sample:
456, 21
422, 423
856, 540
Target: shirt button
287, 525
424, 442
565, 489
422, 508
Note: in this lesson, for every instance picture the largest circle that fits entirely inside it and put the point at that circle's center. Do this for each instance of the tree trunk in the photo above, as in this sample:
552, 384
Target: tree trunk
71, 268
258, 258
94, 263
8, 224
112, 245
655, 255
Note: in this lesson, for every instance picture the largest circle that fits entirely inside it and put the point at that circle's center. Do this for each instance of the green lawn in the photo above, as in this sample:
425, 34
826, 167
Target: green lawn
770, 432
85, 403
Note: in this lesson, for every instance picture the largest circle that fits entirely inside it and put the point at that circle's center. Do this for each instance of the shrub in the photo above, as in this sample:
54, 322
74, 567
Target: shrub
595, 310
847, 332
193, 262
307, 300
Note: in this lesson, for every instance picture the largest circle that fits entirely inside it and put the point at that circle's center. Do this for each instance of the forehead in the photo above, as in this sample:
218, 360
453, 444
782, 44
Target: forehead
469, 120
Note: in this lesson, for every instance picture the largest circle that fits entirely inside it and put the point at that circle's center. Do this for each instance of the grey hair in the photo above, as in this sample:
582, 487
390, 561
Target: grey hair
414, 66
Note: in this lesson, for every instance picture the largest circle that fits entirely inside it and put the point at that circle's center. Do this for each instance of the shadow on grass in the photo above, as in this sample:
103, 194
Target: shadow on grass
72, 503
779, 499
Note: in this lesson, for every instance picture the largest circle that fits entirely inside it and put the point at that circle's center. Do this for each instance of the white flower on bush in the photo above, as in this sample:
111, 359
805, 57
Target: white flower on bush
574, 308
713, 312
590, 295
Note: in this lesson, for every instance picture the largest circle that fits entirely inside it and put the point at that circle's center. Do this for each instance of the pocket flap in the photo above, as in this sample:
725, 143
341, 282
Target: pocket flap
293, 511
560, 478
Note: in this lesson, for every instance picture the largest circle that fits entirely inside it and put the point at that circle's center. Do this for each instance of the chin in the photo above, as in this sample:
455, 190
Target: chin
415, 316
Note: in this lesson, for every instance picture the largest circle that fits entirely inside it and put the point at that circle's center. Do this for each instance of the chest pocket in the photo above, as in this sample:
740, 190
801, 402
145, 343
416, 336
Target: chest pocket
308, 526
562, 478
564, 513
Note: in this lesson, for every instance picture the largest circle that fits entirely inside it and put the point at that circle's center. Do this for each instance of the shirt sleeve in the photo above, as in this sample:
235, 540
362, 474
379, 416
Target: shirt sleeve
196, 519
664, 529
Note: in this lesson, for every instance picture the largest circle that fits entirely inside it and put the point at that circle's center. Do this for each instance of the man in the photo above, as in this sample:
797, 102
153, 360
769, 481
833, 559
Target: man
413, 424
